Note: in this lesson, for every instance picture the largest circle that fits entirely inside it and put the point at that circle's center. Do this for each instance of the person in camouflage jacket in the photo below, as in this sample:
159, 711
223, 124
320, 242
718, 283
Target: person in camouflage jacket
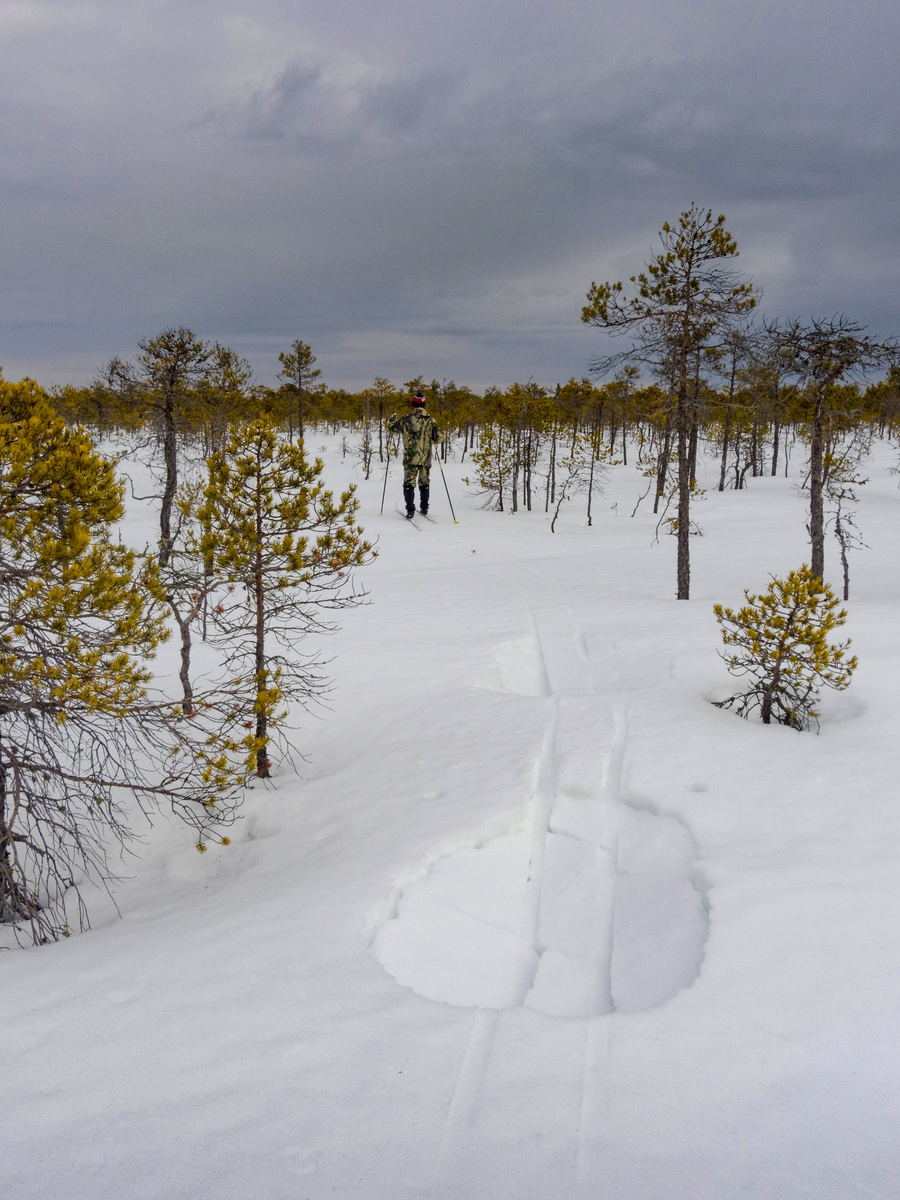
419, 431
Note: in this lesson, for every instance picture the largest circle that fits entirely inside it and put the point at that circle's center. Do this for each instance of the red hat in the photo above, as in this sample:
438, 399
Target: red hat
418, 398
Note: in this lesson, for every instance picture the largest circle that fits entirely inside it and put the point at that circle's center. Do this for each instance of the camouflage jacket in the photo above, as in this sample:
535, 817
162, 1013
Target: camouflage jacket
420, 432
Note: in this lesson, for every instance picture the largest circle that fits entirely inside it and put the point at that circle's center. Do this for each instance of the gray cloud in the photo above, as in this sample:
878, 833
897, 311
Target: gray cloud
436, 199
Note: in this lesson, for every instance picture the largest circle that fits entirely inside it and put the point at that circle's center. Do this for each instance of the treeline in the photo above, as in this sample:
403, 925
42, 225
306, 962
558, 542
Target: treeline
743, 397
205, 388
529, 445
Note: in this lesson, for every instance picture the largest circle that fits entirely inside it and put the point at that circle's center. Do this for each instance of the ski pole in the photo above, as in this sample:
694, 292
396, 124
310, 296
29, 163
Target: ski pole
446, 489
386, 466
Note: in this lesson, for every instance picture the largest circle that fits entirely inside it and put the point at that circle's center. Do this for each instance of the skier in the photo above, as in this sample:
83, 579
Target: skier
420, 432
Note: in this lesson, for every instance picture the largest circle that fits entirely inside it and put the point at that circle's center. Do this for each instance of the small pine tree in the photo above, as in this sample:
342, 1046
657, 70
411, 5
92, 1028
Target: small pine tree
298, 373
493, 461
779, 640
285, 549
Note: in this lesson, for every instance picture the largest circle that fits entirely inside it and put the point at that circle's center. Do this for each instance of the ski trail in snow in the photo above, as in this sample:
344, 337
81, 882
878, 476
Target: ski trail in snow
464, 1103
466, 1093
586, 906
566, 666
576, 683
543, 792
598, 1038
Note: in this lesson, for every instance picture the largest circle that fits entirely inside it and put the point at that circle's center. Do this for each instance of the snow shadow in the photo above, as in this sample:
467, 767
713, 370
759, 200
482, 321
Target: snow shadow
619, 923
518, 669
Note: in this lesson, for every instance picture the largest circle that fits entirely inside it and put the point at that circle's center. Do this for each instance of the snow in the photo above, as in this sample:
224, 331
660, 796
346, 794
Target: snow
533, 918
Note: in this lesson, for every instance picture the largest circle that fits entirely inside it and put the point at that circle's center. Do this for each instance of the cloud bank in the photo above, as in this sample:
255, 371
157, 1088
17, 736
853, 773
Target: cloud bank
415, 189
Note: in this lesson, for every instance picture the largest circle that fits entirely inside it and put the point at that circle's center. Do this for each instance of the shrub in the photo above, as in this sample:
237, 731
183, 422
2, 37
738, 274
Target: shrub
779, 639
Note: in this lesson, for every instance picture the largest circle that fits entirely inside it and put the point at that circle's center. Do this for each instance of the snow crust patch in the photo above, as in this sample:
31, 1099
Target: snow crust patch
621, 923
456, 937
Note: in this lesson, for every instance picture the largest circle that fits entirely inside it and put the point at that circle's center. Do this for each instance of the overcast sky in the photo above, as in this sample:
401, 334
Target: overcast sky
428, 186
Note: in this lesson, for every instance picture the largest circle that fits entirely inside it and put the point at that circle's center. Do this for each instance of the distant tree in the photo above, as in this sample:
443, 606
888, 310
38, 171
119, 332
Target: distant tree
161, 388
298, 373
493, 459
372, 403
884, 398
383, 395
737, 349
581, 467
779, 639
187, 582
531, 416
685, 302
80, 735
286, 548
822, 353
223, 395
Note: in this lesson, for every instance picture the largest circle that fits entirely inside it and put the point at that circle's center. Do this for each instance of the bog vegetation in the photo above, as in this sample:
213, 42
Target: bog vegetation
779, 641
254, 554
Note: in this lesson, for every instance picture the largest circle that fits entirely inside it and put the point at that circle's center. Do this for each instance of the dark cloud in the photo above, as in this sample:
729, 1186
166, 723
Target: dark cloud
426, 188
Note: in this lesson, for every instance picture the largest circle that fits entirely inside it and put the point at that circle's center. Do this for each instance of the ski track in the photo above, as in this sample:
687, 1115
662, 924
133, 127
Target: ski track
577, 797
598, 1034
462, 1116
466, 1094
596, 1057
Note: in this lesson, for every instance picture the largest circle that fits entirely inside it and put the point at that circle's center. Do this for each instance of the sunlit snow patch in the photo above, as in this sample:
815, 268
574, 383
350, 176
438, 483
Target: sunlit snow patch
621, 924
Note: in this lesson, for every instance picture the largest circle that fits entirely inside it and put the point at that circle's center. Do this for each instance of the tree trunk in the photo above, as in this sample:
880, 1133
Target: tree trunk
845, 562
262, 713
14, 901
663, 468
755, 450
683, 570
692, 446
184, 670
170, 458
726, 434
817, 485
550, 495
514, 505
259, 599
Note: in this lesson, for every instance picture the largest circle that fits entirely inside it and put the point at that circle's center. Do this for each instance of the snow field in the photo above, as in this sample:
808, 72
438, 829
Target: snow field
533, 920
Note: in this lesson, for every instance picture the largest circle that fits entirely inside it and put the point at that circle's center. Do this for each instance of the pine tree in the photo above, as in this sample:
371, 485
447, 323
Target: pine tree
79, 732
581, 467
161, 389
298, 373
780, 640
685, 302
286, 549
822, 353
493, 459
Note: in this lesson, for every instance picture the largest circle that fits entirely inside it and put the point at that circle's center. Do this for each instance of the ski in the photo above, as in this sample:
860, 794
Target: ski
408, 520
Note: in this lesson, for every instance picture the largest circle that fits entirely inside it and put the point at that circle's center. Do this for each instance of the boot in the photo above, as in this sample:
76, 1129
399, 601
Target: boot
423, 499
409, 495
